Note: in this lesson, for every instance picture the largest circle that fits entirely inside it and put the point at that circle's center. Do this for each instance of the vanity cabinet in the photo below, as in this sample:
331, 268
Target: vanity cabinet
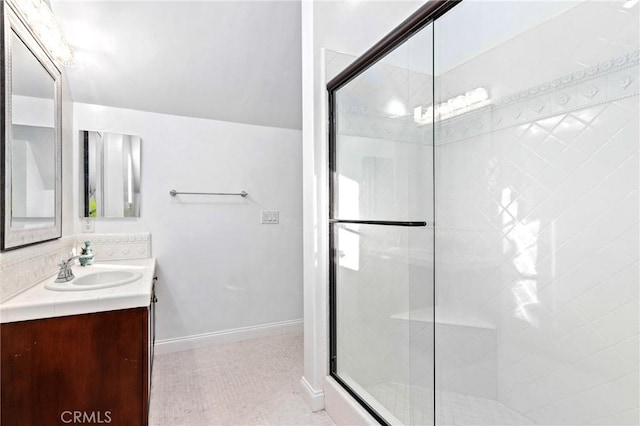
92, 369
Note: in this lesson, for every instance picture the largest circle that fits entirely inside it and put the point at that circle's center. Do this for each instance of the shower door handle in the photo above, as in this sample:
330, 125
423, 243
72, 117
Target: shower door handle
380, 222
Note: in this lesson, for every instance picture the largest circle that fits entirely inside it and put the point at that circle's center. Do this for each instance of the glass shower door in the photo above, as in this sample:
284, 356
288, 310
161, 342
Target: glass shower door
382, 236
514, 125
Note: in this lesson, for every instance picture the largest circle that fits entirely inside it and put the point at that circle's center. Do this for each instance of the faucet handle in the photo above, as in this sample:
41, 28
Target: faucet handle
66, 263
65, 273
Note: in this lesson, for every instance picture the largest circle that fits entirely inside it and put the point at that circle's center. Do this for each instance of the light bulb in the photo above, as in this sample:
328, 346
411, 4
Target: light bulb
42, 22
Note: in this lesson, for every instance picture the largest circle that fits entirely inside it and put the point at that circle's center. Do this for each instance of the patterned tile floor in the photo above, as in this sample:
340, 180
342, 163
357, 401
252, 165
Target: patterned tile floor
414, 405
257, 382
254, 382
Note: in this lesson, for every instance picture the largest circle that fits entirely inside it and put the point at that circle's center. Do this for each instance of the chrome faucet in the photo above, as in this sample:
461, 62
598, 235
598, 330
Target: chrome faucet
65, 273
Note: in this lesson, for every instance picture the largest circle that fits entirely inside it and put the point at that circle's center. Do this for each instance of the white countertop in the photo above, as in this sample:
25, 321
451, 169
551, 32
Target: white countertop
38, 302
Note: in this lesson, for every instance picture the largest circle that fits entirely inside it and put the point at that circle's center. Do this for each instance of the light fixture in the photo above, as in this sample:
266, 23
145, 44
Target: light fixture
395, 108
42, 22
629, 4
471, 100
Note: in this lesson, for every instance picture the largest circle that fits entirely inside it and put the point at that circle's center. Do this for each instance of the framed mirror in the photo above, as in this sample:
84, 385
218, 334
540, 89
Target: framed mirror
31, 138
110, 181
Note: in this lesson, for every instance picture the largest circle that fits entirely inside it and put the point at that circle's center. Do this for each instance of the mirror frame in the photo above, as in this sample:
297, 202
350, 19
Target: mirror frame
12, 238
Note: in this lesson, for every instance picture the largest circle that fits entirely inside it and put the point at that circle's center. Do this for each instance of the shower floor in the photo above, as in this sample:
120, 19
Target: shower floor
412, 405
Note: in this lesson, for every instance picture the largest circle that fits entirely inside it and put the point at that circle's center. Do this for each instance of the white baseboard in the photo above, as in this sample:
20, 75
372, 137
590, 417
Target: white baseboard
313, 397
226, 336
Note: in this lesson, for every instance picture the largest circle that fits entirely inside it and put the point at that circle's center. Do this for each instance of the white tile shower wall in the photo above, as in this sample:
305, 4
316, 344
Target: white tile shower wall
218, 267
549, 208
541, 190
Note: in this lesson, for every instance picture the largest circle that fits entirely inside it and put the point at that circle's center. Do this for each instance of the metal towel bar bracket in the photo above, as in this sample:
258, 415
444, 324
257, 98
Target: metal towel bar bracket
243, 194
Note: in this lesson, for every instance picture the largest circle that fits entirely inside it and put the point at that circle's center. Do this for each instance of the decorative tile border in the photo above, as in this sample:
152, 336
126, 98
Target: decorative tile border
578, 77
118, 246
606, 82
376, 126
21, 269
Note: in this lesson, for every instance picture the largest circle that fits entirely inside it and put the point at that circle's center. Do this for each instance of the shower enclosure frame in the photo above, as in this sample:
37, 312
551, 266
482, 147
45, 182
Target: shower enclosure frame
425, 15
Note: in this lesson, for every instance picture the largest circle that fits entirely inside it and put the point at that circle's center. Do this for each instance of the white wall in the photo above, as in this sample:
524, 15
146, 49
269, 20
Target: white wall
35, 172
31, 111
218, 267
32, 199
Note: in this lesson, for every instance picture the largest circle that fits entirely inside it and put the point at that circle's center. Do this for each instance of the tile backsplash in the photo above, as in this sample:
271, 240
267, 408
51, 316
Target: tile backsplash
118, 246
21, 269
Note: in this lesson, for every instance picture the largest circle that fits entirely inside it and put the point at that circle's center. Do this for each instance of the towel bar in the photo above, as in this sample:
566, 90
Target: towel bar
243, 194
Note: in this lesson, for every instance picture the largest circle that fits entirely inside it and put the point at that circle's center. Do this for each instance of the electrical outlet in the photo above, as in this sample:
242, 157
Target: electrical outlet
88, 225
270, 217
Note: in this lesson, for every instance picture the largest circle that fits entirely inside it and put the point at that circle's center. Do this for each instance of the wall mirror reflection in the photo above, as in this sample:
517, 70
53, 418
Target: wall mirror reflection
31, 189
110, 181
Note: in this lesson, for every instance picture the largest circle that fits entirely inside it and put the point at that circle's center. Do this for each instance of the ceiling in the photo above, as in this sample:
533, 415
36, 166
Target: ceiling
236, 61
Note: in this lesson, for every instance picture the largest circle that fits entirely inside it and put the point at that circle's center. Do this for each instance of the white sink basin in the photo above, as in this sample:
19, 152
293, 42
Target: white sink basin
96, 280
106, 278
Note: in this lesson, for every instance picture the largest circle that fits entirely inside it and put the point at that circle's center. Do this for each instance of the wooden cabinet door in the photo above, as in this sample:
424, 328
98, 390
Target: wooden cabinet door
94, 364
